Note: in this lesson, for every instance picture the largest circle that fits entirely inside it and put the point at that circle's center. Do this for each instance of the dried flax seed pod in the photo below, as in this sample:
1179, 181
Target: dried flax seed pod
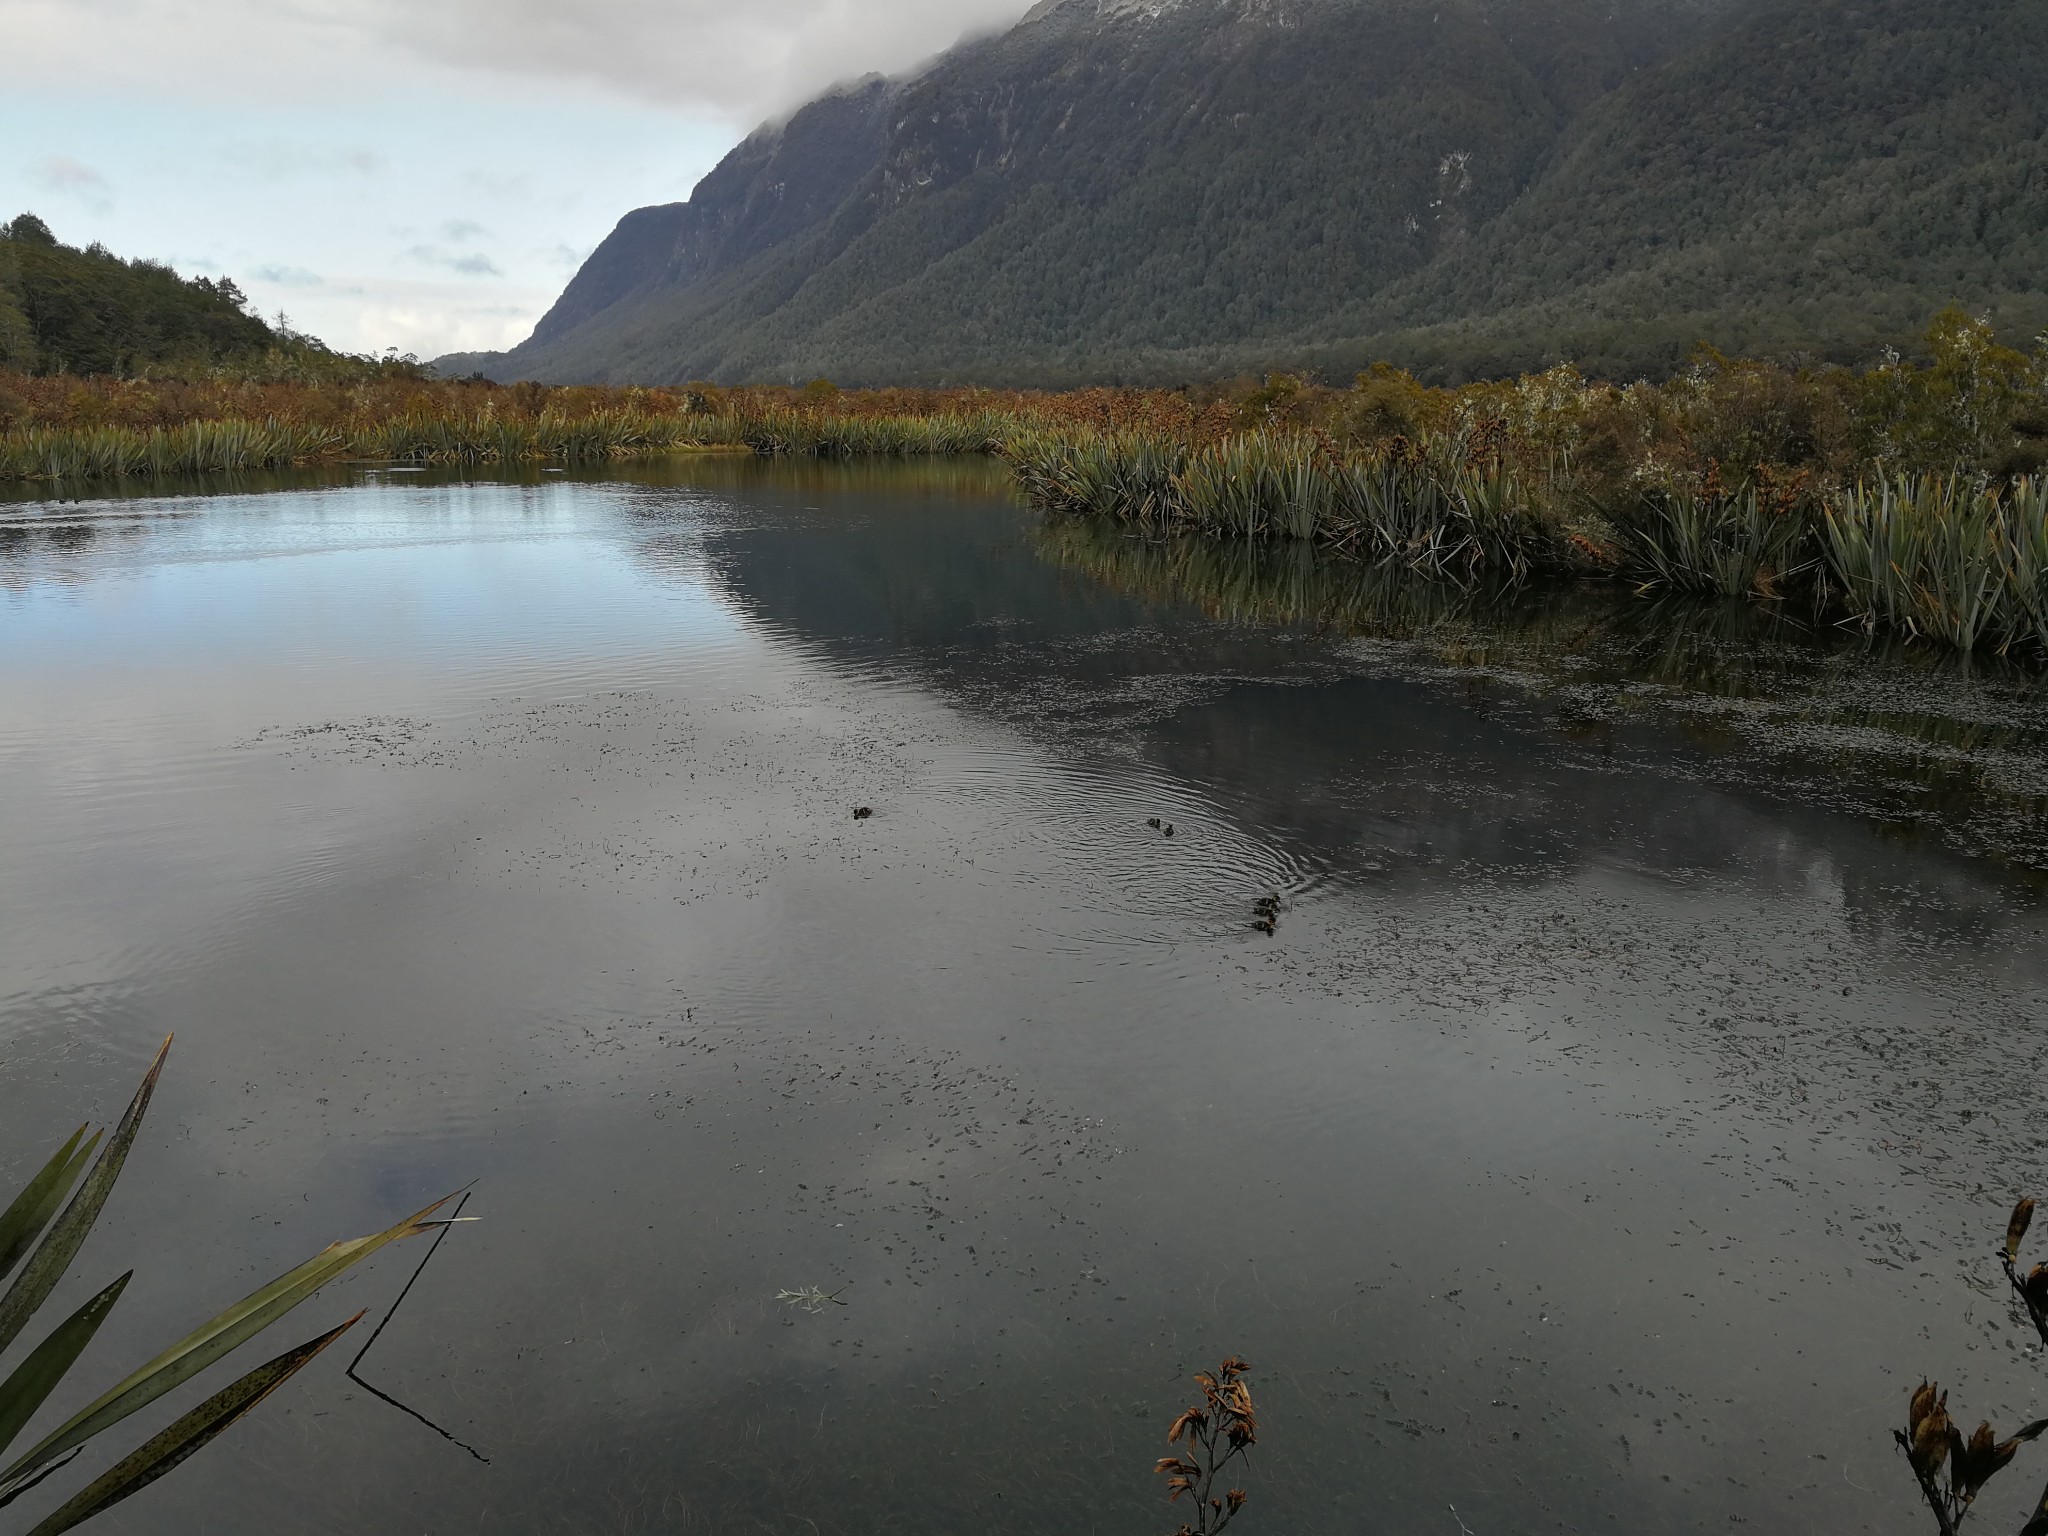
2016, 1229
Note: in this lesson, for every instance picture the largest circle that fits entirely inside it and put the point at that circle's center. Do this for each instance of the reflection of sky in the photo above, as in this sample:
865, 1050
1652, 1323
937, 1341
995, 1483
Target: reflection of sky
1485, 1131
433, 576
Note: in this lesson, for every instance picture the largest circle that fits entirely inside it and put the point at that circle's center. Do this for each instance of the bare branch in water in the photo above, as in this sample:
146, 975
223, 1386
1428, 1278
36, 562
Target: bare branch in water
426, 1259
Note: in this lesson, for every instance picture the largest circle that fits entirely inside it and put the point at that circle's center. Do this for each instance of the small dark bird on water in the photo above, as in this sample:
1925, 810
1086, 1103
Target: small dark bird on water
1154, 823
863, 812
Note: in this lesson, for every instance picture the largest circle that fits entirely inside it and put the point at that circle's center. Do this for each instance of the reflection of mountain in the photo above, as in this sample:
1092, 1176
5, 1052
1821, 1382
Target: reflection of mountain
1516, 741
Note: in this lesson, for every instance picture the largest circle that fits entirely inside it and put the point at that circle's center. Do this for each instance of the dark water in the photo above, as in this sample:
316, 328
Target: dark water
1617, 1126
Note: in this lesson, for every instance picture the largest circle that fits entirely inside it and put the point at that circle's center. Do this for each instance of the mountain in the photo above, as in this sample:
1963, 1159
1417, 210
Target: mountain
64, 310
1152, 190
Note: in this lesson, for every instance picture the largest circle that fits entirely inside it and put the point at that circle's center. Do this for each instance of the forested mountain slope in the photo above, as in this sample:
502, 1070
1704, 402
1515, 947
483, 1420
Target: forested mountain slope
1158, 189
64, 310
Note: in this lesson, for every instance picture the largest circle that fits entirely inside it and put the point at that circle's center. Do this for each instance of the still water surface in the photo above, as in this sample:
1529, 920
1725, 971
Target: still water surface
1616, 1127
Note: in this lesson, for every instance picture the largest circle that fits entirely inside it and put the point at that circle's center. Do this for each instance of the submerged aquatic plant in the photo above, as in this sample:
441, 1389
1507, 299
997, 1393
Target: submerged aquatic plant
1217, 1431
43, 1243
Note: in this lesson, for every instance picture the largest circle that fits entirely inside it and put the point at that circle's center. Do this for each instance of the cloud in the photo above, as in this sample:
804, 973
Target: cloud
61, 173
744, 61
471, 264
288, 277
66, 177
279, 160
737, 62
460, 230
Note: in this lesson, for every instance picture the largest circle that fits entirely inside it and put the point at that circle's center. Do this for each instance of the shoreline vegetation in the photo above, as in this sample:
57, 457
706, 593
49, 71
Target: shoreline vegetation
1907, 498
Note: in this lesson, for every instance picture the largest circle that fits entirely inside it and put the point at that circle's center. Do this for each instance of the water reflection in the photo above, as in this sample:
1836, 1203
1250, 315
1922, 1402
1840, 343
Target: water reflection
1592, 1143
1605, 656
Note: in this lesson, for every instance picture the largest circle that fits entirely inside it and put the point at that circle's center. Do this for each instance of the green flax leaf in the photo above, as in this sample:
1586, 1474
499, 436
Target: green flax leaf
208, 1343
23, 1221
40, 1275
187, 1436
37, 1376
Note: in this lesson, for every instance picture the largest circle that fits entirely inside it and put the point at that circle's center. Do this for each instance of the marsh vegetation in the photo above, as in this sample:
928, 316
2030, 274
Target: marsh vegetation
1906, 498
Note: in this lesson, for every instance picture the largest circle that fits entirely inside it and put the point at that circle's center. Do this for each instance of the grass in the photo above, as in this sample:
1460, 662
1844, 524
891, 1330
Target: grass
199, 447
477, 437
204, 447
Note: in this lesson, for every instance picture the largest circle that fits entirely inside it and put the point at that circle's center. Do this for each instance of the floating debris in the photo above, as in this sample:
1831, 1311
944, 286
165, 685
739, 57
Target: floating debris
863, 812
813, 1300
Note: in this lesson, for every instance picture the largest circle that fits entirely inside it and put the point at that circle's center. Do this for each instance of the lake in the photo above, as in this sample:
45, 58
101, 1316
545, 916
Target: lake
1620, 1120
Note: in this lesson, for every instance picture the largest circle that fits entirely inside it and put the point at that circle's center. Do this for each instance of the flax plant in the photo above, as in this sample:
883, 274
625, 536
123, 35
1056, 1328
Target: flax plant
1214, 1434
1748, 540
1933, 1443
40, 1236
1942, 558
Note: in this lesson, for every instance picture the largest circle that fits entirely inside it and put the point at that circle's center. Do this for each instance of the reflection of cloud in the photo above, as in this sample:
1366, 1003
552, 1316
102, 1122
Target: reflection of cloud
72, 178
474, 264
287, 277
277, 160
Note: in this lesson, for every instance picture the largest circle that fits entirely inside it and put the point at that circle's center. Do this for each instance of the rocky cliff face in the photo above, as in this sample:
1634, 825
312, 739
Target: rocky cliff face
1126, 189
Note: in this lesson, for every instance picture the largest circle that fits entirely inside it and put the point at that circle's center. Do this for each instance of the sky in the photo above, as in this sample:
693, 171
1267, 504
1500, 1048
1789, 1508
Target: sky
423, 175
